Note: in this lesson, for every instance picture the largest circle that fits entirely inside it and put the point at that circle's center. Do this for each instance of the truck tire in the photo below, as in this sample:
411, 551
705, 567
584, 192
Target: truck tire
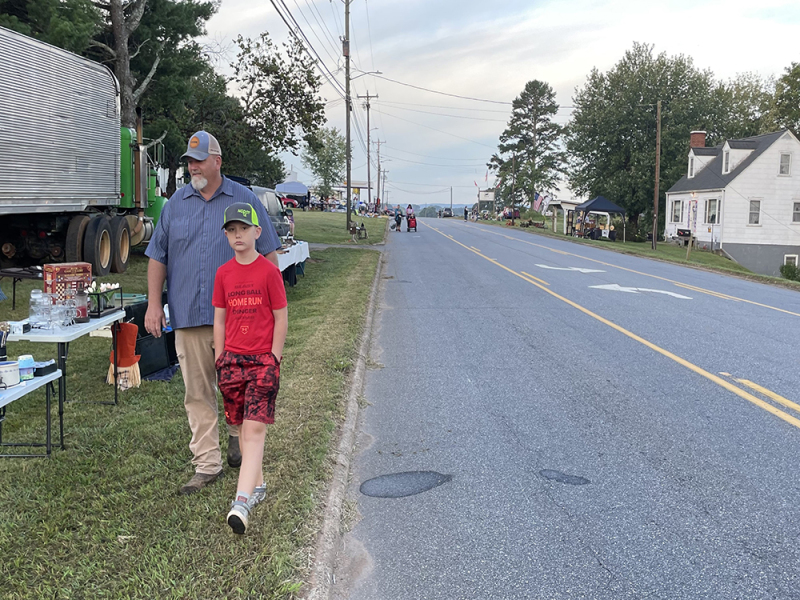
98, 246
75, 234
121, 240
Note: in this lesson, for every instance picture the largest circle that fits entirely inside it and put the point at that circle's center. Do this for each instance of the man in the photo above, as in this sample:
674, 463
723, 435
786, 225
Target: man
466, 213
186, 250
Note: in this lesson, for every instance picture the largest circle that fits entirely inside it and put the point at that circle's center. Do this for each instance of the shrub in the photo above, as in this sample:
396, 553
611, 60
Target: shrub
790, 272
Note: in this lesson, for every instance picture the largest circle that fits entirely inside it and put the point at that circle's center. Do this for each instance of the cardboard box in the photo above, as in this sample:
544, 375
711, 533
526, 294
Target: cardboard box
60, 276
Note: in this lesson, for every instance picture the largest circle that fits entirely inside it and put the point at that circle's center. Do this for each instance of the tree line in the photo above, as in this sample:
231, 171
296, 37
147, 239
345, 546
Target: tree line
608, 145
152, 46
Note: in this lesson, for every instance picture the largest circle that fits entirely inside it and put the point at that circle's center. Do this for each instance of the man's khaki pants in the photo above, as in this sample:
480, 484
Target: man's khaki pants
195, 347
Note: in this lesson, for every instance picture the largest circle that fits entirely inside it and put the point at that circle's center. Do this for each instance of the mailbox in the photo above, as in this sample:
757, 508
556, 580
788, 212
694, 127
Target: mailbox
684, 233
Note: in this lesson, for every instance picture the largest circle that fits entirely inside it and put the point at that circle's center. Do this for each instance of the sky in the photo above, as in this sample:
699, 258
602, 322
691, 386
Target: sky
489, 51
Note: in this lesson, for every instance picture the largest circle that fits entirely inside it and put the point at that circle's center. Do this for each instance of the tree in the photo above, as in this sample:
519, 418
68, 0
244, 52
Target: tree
325, 155
744, 105
611, 137
68, 24
529, 157
280, 94
136, 54
786, 106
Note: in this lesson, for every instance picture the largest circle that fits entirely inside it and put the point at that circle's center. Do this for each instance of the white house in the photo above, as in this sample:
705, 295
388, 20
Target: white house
743, 198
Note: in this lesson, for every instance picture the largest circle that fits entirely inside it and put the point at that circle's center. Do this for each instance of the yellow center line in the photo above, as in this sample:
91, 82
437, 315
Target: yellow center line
681, 361
725, 296
529, 276
710, 293
769, 394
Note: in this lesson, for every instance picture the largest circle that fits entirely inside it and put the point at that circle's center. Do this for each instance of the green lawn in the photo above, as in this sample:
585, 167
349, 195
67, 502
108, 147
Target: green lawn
103, 519
330, 228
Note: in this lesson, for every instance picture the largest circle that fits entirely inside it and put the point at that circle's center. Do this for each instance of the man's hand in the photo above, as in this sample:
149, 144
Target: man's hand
154, 319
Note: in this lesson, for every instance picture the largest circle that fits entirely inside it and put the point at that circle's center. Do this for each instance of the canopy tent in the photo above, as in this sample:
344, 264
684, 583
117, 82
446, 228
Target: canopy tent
292, 188
602, 205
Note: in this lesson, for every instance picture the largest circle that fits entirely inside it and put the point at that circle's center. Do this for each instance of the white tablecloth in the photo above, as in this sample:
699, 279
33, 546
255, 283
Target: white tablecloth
64, 335
294, 255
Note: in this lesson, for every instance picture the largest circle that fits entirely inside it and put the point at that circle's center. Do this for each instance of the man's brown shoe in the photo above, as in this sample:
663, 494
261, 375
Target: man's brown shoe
199, 481
234, 454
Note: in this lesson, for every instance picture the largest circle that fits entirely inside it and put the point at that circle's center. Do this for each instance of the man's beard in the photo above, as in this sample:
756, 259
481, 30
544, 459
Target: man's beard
199, 182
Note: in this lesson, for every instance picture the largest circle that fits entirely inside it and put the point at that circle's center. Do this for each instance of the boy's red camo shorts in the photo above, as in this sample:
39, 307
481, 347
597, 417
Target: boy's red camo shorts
249, 384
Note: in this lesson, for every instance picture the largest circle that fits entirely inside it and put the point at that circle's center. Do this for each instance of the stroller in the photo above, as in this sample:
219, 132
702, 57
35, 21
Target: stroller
411, 222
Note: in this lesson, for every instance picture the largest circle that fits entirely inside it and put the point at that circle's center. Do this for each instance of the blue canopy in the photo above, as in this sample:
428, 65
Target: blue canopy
294, 188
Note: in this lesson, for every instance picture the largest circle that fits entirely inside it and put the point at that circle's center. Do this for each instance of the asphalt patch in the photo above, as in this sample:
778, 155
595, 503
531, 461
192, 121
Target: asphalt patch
399, 485
553, 475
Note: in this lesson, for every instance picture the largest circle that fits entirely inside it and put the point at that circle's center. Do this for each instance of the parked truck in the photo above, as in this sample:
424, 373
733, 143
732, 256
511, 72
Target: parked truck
74, 185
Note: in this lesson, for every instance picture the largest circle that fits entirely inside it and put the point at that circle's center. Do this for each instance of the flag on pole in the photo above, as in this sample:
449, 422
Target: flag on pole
537, 201
486, 179
499, 181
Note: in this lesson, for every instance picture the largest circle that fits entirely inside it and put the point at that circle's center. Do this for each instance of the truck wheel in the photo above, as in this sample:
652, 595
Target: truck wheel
75, 233
121, 241
98, 248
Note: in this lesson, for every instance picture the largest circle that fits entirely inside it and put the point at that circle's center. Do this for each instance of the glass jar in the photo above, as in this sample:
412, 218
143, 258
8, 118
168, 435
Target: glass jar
39, 314
81, 306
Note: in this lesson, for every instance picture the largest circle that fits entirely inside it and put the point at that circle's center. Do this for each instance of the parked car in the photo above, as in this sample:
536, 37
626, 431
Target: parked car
447, 212
288, 201
277, 214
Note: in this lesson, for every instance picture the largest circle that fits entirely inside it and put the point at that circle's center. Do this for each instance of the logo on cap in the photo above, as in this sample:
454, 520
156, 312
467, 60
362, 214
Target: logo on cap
244, 212
194, 142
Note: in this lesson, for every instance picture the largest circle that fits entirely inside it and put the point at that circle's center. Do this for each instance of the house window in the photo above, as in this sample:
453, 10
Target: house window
711, 211
691, 167
755, 212
790, 259
726, 162
676, 211
796, 213
786, 164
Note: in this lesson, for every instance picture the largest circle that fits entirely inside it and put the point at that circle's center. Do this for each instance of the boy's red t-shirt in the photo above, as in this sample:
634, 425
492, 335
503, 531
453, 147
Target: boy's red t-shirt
249, 294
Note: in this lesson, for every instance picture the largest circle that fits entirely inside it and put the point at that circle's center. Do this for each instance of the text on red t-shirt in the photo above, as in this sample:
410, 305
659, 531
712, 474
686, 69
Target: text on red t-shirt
249, 294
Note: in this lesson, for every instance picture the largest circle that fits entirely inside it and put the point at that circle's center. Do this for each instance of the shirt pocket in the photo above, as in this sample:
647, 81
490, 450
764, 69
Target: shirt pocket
179, 228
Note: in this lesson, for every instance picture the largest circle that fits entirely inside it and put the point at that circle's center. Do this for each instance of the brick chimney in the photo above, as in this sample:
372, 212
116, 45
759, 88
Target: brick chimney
697, 139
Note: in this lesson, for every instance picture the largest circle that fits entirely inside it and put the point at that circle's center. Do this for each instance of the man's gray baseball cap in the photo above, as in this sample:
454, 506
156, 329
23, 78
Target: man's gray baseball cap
202, 145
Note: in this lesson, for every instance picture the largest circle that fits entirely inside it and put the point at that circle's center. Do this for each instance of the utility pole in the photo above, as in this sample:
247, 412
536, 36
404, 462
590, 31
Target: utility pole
348, 109
369, 179
378, 191
451, 200
658, 173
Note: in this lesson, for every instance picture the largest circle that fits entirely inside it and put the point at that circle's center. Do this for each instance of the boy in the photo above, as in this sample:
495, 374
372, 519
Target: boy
250, 324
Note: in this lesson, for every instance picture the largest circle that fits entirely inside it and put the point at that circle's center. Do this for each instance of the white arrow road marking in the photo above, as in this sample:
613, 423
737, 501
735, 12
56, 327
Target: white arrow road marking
570, 269
615, 287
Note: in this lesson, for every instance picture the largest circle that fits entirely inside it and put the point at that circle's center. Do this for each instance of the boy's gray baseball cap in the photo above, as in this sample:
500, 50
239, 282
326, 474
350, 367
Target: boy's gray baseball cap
242, 212
202, 145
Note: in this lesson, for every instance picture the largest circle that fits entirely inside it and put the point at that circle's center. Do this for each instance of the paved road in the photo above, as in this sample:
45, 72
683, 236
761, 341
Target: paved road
630, 440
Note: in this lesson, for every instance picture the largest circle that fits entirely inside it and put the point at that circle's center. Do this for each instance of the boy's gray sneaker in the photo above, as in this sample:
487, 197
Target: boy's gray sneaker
258, 496
238, 517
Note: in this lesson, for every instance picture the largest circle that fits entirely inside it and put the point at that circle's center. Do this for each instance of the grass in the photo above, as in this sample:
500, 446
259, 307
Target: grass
666, 251
103, 519
330, 228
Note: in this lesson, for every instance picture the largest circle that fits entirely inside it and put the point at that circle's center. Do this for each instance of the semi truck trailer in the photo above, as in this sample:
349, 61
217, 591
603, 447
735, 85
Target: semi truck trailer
74, 184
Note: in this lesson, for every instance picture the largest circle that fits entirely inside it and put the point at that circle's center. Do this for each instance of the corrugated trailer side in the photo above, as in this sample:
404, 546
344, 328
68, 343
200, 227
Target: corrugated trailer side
59, 129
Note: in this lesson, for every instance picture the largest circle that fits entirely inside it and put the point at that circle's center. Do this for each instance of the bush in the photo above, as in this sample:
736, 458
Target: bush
791, 272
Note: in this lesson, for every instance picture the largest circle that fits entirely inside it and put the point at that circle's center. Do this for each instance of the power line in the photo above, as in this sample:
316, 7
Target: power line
416, 162
443, 190
427, 112
434, 129
491, 110
308, 47
441, 93
429, 156
324, 42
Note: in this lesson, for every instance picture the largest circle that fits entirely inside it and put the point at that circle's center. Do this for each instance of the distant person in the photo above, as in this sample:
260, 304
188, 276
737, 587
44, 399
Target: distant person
466, 213
250, 324
398, 218
409, 210
186, 250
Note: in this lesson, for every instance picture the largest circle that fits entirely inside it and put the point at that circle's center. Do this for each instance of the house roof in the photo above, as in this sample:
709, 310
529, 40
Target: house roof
707, 151
711, 177
742, 144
